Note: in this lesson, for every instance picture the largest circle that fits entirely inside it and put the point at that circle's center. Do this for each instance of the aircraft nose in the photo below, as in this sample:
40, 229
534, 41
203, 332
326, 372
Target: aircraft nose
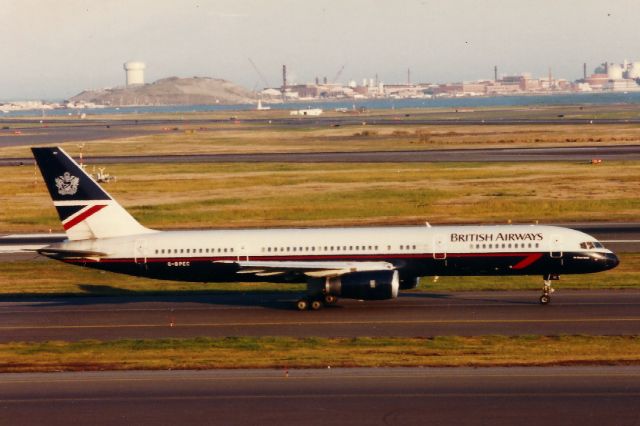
612, 260
607, 260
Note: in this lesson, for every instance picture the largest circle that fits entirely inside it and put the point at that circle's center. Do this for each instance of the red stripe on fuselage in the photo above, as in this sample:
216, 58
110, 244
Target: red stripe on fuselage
82, 216
528, 258
527, 261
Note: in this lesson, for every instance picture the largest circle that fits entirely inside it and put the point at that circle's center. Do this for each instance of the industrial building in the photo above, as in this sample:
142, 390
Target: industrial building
612, 77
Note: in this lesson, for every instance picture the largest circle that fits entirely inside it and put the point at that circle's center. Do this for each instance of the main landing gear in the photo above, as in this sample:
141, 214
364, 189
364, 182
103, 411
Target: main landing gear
315, 303
547, 289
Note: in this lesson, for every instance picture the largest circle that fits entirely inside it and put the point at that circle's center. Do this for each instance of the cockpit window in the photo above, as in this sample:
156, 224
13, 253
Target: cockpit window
588, 245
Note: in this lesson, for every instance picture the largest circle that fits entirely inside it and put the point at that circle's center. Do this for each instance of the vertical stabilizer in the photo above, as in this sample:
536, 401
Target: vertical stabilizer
85, 209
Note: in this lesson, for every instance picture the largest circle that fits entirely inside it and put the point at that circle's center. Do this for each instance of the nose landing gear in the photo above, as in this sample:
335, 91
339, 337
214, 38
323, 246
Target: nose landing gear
547, 289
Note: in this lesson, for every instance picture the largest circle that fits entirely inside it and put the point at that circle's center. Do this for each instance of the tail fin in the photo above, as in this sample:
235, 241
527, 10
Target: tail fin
85, 209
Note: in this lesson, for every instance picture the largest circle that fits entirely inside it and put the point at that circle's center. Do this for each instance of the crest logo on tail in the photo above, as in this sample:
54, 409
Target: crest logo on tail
67, 184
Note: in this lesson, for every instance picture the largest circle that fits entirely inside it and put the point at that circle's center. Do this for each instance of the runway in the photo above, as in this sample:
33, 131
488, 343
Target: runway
404, 396
580, 154
18, 135
413, 314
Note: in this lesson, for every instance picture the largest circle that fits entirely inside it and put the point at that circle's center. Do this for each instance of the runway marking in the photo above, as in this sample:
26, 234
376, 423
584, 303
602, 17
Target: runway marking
320, 323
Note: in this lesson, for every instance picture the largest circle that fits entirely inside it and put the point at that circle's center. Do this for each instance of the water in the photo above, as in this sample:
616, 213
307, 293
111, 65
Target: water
372, 104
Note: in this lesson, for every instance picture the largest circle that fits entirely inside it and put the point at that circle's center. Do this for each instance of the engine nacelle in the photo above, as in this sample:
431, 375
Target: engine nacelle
409, 283
365, 285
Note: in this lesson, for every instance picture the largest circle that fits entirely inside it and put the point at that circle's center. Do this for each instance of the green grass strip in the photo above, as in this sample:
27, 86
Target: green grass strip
288, 352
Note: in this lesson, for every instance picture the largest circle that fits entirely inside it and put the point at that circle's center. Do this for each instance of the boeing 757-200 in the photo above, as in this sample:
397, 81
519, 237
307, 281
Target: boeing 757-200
367, 263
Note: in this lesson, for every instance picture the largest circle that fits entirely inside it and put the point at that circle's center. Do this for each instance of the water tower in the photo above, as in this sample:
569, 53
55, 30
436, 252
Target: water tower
135, 72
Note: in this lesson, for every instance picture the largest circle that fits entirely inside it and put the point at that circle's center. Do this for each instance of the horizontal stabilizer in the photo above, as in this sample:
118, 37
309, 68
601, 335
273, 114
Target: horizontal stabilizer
65, 253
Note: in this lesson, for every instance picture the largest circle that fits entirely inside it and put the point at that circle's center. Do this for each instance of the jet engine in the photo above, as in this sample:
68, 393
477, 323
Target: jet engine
365, 285
409, 283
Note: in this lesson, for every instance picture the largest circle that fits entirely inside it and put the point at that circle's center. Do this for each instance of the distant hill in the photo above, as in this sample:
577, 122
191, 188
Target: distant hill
171, 91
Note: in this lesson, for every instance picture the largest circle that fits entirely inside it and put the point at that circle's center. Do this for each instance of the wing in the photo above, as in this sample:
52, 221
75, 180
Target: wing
309, 268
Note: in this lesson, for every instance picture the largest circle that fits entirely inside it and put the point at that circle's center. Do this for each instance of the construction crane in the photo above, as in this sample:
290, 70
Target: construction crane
338, 74
264, 80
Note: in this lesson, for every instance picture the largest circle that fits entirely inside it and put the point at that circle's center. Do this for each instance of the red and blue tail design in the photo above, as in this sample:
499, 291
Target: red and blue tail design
85, 209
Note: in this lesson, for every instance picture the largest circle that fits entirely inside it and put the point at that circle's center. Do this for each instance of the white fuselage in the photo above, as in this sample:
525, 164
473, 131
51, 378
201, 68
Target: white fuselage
341, 242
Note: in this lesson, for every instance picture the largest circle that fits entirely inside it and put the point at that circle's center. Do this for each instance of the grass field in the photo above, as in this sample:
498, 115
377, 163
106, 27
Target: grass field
252, 132
259, 195
312, 352
48, 277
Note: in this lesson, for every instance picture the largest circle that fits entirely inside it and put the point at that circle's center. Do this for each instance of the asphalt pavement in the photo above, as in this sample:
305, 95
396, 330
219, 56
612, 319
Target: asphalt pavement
424, 314
580, 396
578, 154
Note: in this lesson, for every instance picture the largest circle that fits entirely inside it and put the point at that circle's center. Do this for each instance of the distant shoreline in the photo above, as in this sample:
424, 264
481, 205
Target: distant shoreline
374, 104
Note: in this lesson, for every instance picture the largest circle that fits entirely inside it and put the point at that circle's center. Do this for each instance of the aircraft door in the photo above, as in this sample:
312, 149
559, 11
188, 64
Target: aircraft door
555, 251
556, 248
243, 254
439, 247
140, 252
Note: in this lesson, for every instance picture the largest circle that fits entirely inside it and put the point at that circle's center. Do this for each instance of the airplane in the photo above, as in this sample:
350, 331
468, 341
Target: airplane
365, 263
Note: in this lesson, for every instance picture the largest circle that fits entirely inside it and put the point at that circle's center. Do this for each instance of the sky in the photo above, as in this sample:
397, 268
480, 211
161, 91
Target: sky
55, 49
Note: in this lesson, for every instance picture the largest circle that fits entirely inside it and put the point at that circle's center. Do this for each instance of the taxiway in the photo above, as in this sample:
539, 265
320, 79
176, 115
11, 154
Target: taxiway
601, 312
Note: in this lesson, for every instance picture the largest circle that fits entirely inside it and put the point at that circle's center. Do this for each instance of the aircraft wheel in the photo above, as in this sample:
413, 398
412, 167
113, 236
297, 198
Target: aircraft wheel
302, 304
316, 304
545, 299
330, 299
